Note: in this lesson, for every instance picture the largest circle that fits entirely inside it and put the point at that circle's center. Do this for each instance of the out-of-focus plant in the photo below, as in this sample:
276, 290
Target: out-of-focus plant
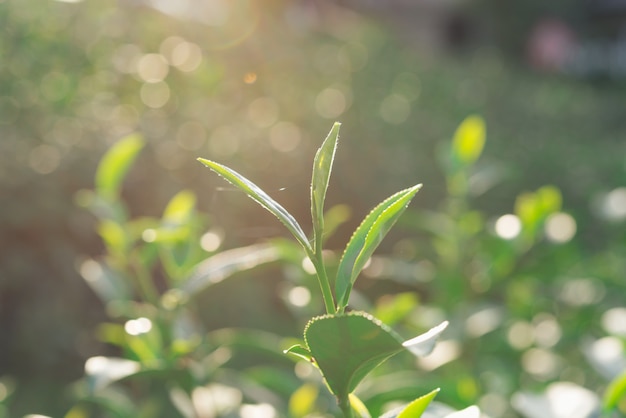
148, 277
345, 347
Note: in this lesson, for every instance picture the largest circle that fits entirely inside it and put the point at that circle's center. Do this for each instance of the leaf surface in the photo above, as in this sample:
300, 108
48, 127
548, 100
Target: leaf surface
366, 239
322, 167
262, 198
115, 164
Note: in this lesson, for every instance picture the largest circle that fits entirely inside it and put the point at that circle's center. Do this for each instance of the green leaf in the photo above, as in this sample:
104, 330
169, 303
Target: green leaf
347, 347
322, 167
299, 351
226, 263
416, 408
423, 344
366, 239
468, 141
614, 392
115, 164
262, 198
180, 208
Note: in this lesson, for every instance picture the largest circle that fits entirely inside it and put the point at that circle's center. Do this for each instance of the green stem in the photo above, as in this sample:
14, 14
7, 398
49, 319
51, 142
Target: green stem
147, 288
344, 405
327, 294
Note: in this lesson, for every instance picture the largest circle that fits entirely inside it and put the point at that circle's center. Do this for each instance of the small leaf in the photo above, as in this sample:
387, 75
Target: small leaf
115, 164
366, 239
101, 371
423, 344
358, 406
416, 408
347, 347
614, 392
180, 208
322, 167
262, 198
298, 350
226, 263
468, 141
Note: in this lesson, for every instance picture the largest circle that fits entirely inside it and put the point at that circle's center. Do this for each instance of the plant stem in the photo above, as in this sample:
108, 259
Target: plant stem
344, 405
327, 294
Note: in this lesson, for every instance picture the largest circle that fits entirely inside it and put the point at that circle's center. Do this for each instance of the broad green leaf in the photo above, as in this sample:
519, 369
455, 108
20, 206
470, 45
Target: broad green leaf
347, 347
115, 164
262, 198
366, 239
468, 141
322, 167
614, 392
416, 408
226, 263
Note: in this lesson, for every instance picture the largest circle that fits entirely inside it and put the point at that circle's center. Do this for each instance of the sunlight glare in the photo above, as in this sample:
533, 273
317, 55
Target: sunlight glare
138, 326
508, 226
560, 228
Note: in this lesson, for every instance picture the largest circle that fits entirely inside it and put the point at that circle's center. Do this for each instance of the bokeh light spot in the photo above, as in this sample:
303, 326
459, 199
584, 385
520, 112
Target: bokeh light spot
44, 159
521, 335
614, 206
540, 363
285, 136
581, 291
547, 330
191, 136
395, 109
211, 241
263, 112
330, 103
560, 228
186, 56
299, 296
138, 326
307, 265
508, 226
126, 58
224, 141
155, 95
614, 321
407, 85
353, 56
152, 68
263, 410
250, 78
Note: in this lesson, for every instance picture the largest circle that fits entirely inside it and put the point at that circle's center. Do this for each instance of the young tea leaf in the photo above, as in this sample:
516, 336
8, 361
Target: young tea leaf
423, 344
468, 141
262, 198
115, 164
614, 392
366, 239
416, 408
322, 167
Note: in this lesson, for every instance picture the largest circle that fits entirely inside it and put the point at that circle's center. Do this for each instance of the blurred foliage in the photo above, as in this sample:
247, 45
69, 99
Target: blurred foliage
77, 76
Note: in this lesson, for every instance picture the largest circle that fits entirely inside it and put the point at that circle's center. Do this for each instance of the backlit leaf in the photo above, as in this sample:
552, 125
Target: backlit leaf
366, 239
115, 164
257, 194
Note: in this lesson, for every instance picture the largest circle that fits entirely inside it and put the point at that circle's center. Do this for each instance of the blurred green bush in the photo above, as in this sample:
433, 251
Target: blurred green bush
75, 77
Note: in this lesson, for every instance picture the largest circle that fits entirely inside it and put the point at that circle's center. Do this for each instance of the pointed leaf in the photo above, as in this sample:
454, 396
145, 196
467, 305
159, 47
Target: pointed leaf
416, 408
226, 263
358, 407
262, 198
347, 347
366, 239
469, 140
322, 167
115, 164
614, 392
298, 350
423, 344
